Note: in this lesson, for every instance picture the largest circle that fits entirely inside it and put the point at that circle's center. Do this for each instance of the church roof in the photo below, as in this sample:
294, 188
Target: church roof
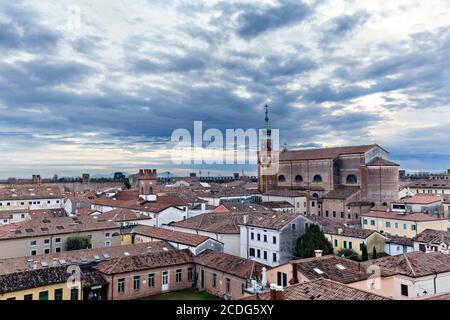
325, 153
378, 161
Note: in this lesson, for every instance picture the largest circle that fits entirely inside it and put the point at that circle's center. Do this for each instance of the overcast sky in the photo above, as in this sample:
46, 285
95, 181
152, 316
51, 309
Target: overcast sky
102, 91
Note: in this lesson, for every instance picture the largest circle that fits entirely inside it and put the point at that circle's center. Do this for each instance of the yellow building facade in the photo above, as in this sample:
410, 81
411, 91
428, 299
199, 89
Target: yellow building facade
342, 242
404, 225
60, 291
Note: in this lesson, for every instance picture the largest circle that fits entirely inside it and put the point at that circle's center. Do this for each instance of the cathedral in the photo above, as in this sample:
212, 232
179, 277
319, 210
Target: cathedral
340, 183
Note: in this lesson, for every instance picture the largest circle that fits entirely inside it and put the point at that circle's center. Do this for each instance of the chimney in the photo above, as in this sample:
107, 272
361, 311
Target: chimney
245, 218
276, 292
318, 253
294, 273
340, 231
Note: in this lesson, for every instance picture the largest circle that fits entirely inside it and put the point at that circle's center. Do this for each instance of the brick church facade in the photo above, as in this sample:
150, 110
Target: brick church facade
340, 183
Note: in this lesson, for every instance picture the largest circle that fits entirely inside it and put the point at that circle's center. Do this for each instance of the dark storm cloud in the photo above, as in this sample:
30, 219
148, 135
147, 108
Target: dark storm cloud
55, 96
256, 20
23, 31
342, 26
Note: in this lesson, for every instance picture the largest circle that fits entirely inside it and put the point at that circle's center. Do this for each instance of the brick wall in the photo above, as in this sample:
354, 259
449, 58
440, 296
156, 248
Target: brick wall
220, 289
145, 290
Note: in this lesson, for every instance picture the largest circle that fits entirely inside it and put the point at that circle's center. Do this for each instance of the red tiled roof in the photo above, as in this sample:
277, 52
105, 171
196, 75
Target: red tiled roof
121, 215
417, 217
47, 213
321, 289
274, 220
49, 226
433, 236
414, 264
237, 207
212, 222
324, 153
162, 202
230, 264
150, 260
20, 264
84, 212
328, 265
422, 199
169, 235
381, 162
30, 192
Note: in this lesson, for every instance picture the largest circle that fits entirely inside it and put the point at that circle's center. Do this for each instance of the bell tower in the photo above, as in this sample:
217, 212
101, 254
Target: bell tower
147, 180
266, 179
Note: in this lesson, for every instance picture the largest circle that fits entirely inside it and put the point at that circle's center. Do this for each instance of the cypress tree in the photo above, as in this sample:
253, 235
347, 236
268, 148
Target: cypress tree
312, 239
365, 254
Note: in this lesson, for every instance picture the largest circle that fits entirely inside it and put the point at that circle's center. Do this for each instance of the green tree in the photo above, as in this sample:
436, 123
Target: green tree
77, 243
374, 253
312, 239
365, 254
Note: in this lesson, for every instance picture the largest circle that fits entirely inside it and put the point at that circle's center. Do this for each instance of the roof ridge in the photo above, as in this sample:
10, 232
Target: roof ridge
201, 221
409, 264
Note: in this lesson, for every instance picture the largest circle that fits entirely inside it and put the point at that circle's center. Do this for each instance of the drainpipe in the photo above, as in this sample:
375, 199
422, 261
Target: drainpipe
435, 276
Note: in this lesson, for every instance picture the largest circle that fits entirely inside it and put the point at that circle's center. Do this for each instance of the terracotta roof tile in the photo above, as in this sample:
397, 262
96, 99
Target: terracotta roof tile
418, 217
169, 235
230, 264
331, 268
381, 162
322, 289
422, 199
30, 192
21, 264
212, 222
413, 264
49, 226
433, 236
324, 153
150, 260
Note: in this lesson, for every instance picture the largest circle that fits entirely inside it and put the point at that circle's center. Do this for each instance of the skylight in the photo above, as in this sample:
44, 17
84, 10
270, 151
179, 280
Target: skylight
318, 271
340, 267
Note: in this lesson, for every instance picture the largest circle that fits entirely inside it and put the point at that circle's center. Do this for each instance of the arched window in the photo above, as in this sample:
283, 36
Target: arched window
315, 195
281, 178
372, 204
351, 178
317, 178
385, 204
298, 178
